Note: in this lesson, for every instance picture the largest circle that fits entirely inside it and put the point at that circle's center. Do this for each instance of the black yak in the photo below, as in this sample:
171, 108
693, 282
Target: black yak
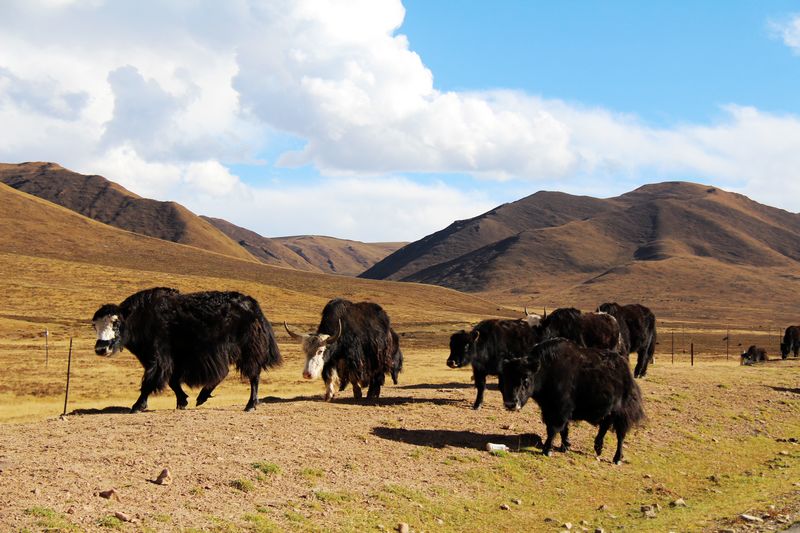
791, 341
188, 338
637, 325
754, 354
487, 345
593, 330
354, 343
570, 382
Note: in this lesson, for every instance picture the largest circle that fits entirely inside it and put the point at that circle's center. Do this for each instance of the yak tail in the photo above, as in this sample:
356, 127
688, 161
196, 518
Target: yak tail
651, 349
632, 411
259, 351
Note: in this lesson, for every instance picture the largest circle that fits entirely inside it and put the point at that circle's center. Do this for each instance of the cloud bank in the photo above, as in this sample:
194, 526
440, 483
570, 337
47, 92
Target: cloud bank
165, 97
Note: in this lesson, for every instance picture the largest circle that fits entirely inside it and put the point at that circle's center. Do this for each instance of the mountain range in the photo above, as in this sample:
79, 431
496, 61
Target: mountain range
105, 201
678, 246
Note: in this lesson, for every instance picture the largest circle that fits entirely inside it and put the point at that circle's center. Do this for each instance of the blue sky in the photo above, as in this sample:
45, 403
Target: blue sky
666, 61
385, 120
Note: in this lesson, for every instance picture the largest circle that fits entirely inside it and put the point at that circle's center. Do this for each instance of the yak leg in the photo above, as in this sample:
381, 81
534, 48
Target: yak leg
357, 394
331, 383
480, 384
375, 385
152, 380
620, 429
180, 395
601, 434
205, 393
251, 405
565, 443
548, 444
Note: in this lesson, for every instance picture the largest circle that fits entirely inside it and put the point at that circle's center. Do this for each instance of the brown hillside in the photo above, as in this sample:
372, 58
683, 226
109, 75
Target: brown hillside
34, 228
267, 250
677, 243
105, 201
311, 253
339, 256
540, 210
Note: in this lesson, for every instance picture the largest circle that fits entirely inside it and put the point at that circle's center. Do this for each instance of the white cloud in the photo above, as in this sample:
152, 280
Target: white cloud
162, 96
390, 209
788, 31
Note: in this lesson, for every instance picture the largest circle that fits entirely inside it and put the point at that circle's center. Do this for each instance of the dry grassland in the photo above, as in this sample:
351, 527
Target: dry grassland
719, 436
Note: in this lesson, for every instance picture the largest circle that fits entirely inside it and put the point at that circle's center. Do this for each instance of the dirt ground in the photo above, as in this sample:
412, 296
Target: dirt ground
720, 437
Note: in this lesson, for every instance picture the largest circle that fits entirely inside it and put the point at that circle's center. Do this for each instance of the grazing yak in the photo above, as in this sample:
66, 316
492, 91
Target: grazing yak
754, 354
593, 330
791, 341
354, 343
570, 382
188, 338
637, 325
487, 345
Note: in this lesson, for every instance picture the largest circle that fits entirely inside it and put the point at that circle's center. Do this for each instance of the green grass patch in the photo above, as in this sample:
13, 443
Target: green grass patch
312, 474
268, 469
244, 485
261, 524
110, 522
50, 519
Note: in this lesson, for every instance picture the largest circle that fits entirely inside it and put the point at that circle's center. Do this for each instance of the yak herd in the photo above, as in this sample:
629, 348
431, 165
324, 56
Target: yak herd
574, 365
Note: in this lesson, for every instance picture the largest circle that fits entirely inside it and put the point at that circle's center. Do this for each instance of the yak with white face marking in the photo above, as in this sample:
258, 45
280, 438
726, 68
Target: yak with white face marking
354, 343
188, 338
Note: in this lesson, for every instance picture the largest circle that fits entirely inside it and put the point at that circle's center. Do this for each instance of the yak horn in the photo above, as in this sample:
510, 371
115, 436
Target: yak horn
335, 337
526, 310
291, 333
544, 315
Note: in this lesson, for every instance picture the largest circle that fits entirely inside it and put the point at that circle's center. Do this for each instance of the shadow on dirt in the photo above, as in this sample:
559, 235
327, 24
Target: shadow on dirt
439, 438
785, 389
110, 410
451, 385
348, 400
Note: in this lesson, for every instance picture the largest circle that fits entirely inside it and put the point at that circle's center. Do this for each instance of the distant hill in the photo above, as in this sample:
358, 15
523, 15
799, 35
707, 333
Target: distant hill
552, 247
107, 202
312, 253
339, 256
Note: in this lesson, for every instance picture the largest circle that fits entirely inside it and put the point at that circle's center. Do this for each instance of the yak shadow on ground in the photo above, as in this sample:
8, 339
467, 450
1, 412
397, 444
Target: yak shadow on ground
451, 385
349, 400
440, 438
110, 410
785, 389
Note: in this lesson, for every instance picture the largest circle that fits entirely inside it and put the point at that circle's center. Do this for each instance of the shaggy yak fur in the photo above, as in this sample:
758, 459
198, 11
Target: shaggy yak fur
637, 325
570, 382
754, 354
189, 338
487, 345
354, 343
791, 341
593, 330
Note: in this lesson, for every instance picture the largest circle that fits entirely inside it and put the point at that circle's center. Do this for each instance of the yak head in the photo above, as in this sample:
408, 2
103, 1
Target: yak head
785, 346
109, 325
315, 346
462, 348
516, 380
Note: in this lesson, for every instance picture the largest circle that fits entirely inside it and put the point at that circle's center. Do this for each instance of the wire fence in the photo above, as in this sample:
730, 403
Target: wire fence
682, 342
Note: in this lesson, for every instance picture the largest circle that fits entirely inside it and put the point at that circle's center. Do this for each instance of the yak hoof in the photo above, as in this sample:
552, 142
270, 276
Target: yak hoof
250, 407
618, 462
547, 453
182, 406
138, 408
476, 406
